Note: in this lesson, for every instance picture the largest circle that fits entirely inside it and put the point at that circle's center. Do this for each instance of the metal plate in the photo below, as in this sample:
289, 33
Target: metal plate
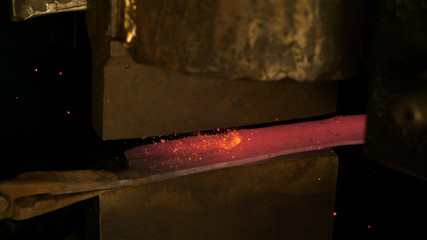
286, 198
140, 101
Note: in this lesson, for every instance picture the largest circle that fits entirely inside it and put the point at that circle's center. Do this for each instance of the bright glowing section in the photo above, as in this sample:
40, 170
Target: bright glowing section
229, 141
185, 152
247, 145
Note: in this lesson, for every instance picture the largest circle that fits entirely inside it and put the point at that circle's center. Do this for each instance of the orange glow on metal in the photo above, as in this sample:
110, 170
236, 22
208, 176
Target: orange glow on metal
219, 142
247, 145
190, 150
229, 141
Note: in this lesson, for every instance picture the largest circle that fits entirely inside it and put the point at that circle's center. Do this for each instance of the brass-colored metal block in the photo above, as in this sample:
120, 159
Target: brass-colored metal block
291, 198
259, 40
132, 100
140, 100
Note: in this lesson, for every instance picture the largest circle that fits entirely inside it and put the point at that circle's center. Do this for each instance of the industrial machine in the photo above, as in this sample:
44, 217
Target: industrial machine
231, 111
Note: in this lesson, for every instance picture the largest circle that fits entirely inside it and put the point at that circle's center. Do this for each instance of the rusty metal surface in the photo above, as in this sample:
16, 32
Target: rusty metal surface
260, 40
25, 9
290, 198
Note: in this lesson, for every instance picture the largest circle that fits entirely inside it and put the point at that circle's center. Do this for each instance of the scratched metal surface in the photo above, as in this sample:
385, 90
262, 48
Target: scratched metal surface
258, 40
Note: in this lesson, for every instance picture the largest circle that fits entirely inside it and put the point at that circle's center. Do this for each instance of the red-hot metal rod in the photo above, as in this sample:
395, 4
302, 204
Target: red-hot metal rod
245, 146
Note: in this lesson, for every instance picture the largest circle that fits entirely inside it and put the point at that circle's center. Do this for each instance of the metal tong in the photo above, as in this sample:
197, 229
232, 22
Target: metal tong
35, 193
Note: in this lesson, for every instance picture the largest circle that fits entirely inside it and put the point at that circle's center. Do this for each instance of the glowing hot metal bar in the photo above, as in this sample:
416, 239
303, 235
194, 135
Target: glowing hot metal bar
245, 146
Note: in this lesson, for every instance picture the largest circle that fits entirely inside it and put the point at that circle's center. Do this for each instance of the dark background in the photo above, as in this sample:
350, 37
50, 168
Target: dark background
46, 125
